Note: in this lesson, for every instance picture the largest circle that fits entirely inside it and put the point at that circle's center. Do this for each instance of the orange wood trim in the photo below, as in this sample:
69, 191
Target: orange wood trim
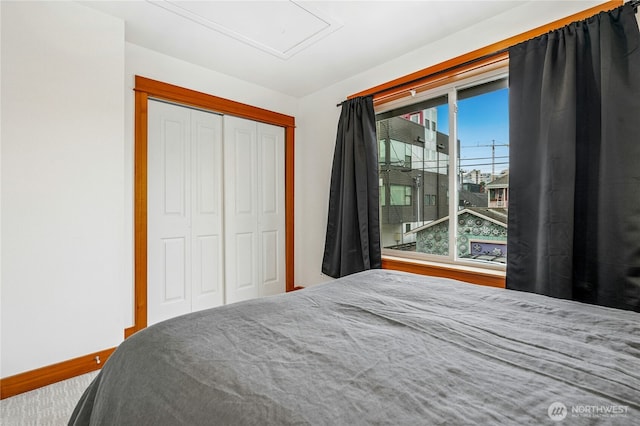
451, 76
140, 213
129, 331
34, 379
160, 90
289, 205
146, 88
297, 288
450, 68
488, 279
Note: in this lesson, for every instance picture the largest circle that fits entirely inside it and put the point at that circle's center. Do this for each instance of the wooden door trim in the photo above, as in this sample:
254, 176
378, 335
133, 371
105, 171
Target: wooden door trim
146, 88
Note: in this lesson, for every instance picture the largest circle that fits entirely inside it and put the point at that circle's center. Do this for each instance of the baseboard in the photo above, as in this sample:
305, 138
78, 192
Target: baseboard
34, 379
129, 331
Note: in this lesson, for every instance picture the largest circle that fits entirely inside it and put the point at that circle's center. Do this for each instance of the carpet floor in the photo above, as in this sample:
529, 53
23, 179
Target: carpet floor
48, 406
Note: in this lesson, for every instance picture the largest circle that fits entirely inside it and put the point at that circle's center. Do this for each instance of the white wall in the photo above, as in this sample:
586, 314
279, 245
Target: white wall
62, 183
150, 64
0, 194
318, 118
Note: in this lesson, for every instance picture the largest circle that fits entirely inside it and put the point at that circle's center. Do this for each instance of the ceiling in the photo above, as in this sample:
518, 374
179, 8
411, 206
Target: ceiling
298, 47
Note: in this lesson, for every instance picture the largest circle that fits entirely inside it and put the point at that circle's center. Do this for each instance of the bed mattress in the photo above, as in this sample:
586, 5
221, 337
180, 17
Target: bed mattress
378, 347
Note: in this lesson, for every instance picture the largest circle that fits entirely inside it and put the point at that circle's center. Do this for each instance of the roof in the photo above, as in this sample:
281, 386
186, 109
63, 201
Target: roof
497, 216
501, 182
476, 199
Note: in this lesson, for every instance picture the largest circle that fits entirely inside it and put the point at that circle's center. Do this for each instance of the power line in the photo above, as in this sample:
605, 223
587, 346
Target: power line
482, 158
487, 164
493, 154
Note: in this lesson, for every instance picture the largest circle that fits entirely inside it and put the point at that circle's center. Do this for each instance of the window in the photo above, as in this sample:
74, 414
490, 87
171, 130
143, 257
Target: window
400, 195
430, 199
406, 95
419, 162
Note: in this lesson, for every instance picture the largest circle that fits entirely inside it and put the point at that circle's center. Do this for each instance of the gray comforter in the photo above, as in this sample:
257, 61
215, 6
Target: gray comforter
379, 347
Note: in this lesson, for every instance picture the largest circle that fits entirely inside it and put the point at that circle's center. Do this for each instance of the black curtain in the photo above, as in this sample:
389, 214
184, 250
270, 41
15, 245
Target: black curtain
353, 228
574, 207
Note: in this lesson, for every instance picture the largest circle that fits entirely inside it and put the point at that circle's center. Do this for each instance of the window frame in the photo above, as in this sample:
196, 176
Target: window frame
450, 90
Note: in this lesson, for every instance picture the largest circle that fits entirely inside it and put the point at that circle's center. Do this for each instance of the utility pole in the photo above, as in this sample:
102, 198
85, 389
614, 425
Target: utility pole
493, 155
493, 158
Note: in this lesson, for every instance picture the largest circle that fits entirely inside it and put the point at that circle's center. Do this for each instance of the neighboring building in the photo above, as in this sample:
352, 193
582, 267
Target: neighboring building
427, 118
477, 177
498, 192
482, 235
473, 187
413, 161
472, 195
414, 178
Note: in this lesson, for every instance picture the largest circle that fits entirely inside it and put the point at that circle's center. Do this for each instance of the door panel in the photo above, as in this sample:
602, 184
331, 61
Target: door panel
208, 268
245, 264
184, 215
242, 153
272, 208
269, 177
175, 279
207, 172
241, 213
254, 206
207, 216
270, 255
174, 135
168, 200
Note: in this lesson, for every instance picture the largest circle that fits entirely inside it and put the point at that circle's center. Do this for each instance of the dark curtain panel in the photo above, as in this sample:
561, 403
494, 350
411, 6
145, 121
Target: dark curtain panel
574, 207
353, 228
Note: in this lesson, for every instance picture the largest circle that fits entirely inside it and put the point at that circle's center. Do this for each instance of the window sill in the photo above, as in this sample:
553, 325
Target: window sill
470, 274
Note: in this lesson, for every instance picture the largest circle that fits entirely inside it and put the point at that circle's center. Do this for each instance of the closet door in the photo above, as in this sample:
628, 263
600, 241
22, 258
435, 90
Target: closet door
254, 209
184, 220
271, 209
207, 237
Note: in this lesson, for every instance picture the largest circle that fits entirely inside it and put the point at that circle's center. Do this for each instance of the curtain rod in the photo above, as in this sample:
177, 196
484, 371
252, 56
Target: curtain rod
451, 68
633, 3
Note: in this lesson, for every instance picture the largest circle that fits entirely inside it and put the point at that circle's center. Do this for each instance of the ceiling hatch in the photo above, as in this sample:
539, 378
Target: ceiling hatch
281, 28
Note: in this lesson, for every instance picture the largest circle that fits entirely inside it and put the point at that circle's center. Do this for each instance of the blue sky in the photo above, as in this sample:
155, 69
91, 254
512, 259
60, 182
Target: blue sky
481, 119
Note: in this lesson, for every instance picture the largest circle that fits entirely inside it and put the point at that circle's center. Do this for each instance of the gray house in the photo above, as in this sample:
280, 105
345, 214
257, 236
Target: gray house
482, 235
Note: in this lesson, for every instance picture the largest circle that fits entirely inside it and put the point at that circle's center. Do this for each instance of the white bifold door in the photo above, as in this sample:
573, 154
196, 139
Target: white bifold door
254, 209
215, 210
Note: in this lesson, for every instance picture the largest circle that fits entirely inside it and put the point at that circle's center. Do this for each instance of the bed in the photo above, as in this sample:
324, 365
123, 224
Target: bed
377, 347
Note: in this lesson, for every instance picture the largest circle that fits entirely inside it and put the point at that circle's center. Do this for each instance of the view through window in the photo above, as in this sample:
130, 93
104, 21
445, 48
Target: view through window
424, 179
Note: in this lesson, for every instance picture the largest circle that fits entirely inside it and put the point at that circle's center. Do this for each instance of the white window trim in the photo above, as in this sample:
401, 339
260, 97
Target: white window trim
450, 90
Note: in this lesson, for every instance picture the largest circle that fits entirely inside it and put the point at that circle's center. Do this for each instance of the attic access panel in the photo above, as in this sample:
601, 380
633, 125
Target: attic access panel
281, 28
